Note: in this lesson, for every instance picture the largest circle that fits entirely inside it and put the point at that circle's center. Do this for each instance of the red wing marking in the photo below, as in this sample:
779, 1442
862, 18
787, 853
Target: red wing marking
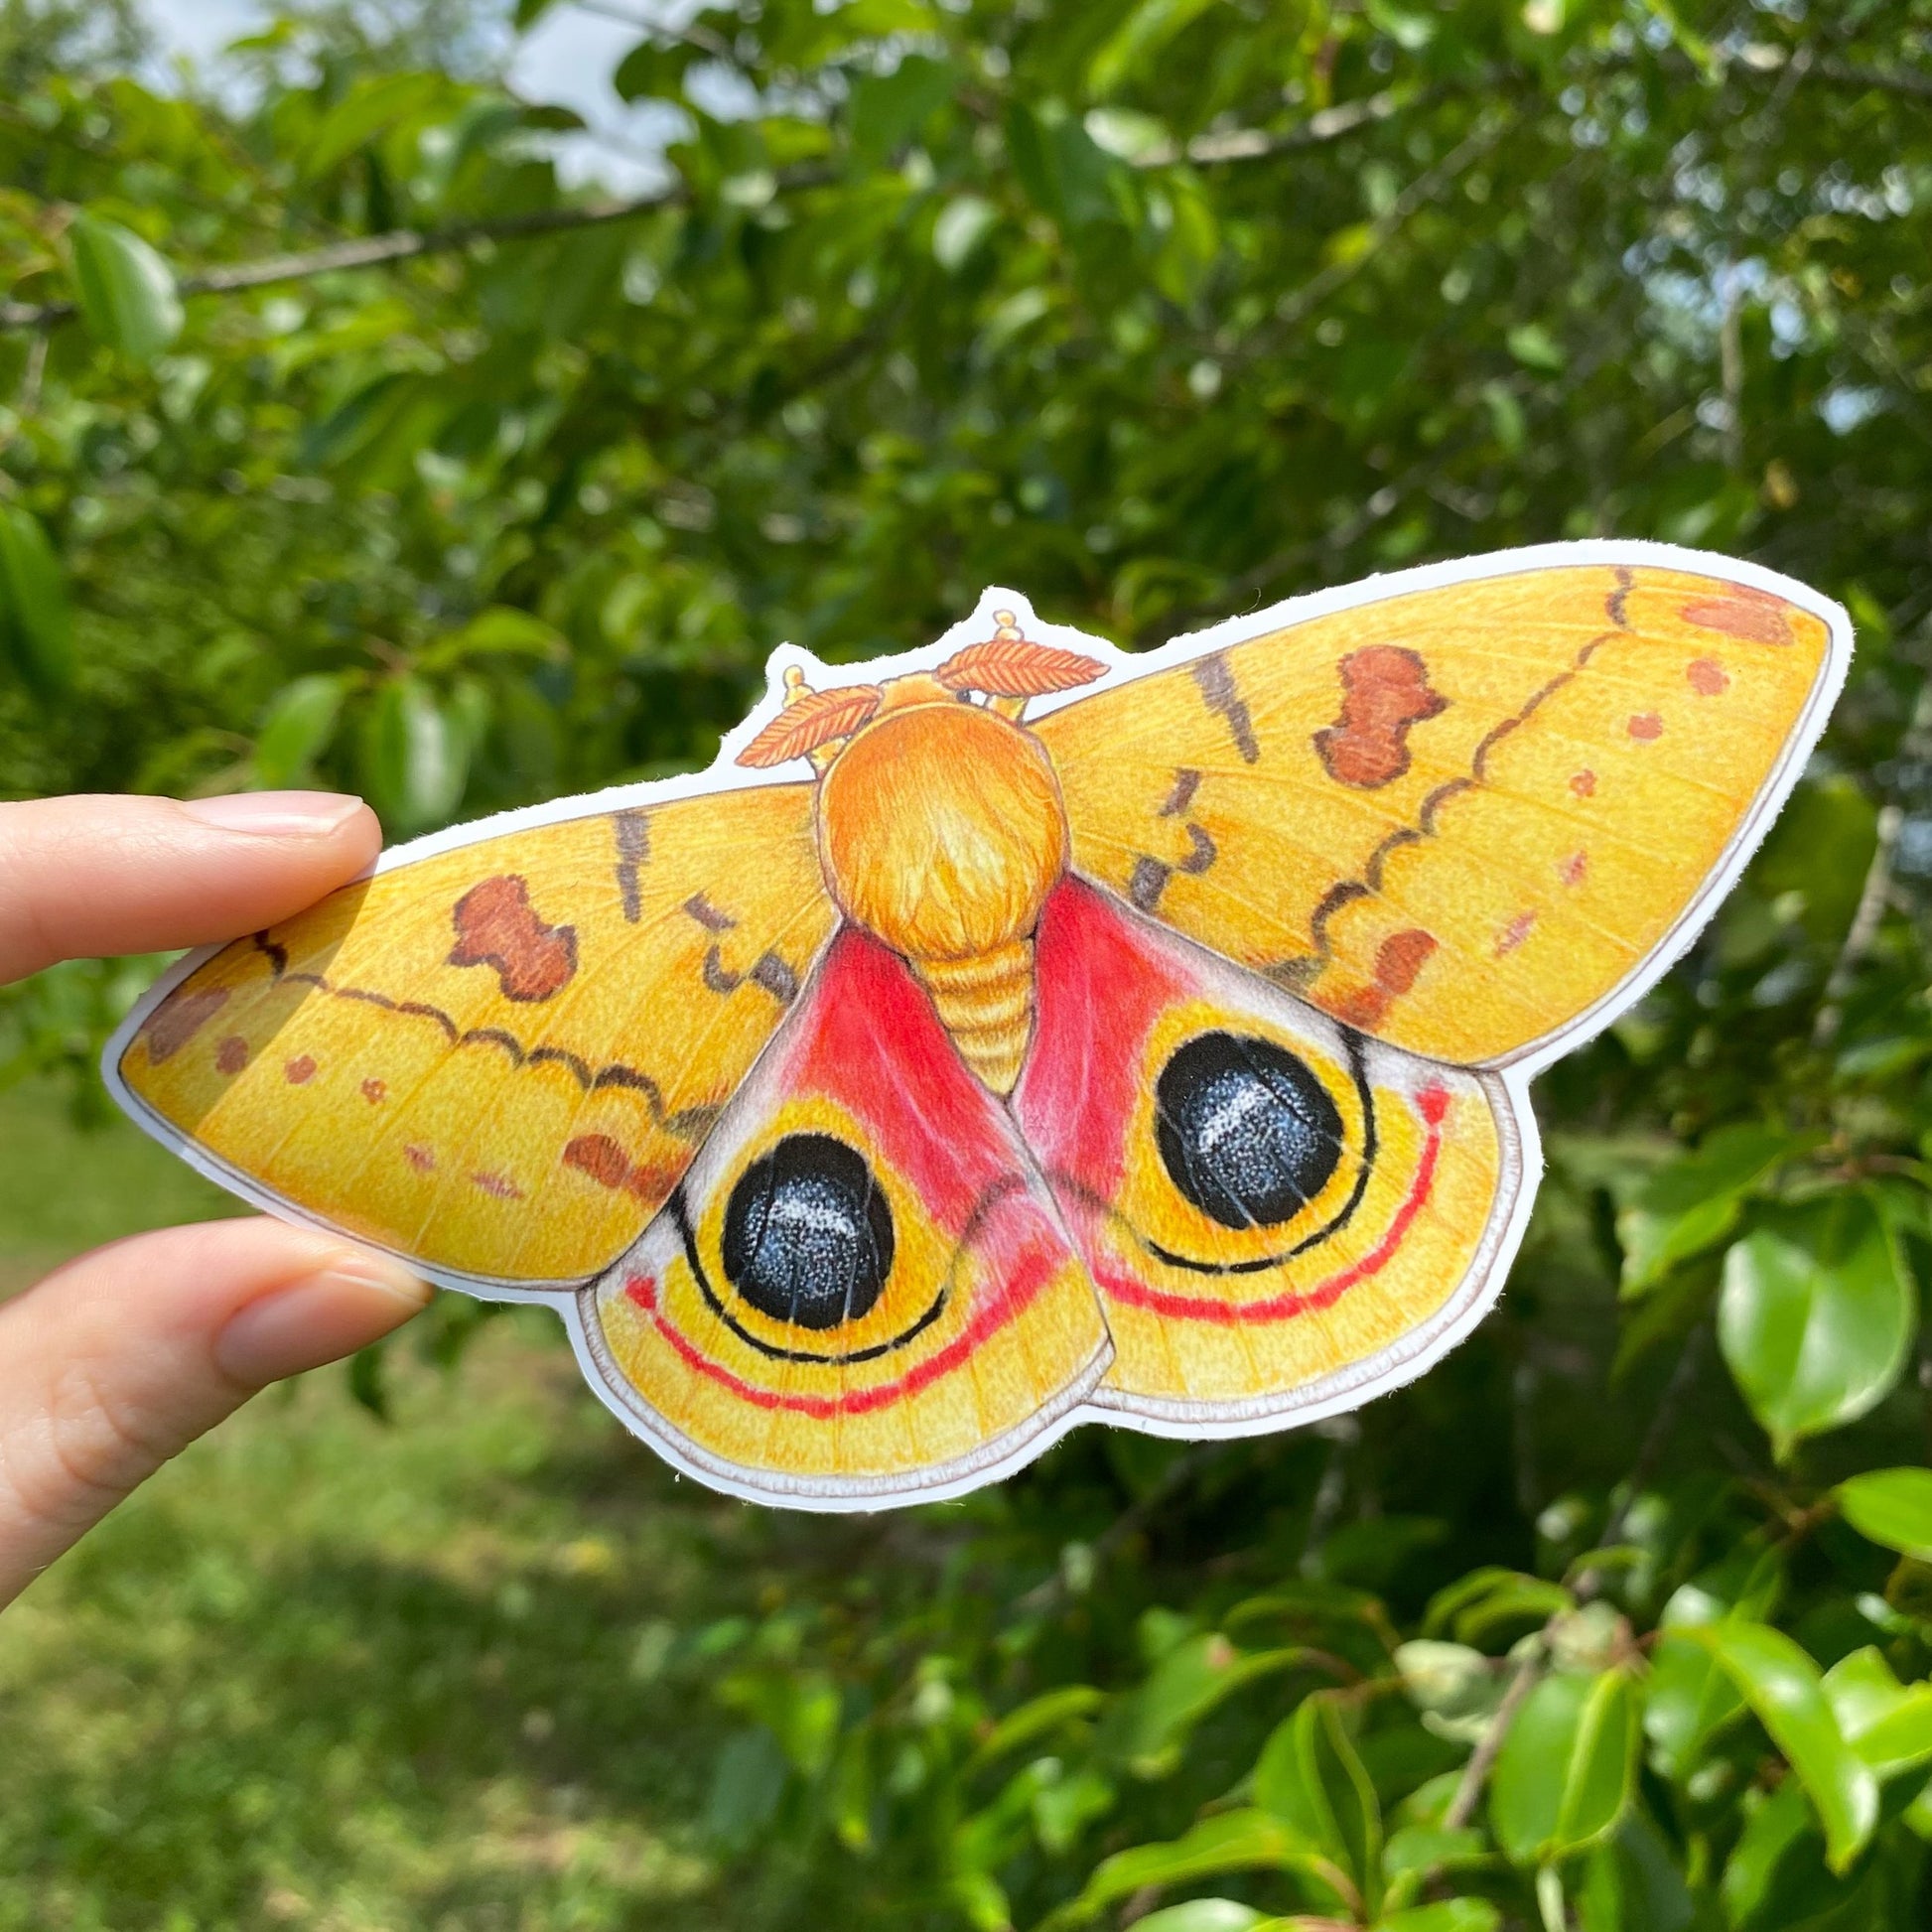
1645, 727
1584, 785
1383, 691
300, 1071
497, 925
1010, 1300
231, 1056
1515, 932
501, 1186
420, 1158
1398, 960
374, 1092
1432, 1105
1574, 868
1706, 676
1755, 615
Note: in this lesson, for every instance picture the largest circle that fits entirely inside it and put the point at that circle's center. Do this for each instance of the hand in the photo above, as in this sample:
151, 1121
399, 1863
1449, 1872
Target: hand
121, 1359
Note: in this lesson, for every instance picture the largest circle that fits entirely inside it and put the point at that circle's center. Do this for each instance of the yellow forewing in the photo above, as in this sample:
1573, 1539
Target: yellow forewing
1459, 818
499, 1060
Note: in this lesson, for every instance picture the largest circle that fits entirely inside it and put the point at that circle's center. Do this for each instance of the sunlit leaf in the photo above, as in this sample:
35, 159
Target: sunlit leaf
297, 728
127, 288
1782, 1686
1892, 1507
1816, 1317
1567, 1766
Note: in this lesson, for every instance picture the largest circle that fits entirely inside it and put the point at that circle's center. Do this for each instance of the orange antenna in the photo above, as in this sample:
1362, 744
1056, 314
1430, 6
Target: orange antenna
1008, 666
811, 722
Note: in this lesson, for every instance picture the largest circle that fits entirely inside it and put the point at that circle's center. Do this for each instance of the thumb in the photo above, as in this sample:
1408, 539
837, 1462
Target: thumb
121, 1359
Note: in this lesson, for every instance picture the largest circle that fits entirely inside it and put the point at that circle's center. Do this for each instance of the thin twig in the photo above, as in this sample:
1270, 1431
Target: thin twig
400, 245
1469, 1793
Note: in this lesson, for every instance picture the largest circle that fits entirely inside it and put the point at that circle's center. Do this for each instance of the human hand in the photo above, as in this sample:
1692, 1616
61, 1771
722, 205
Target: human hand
118, 1360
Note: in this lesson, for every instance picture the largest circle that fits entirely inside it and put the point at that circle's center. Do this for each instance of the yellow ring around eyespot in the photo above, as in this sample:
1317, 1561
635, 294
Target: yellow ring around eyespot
1191, 1019
921, 1252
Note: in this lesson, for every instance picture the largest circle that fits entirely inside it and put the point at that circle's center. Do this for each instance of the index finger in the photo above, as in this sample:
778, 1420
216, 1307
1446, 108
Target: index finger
93, 876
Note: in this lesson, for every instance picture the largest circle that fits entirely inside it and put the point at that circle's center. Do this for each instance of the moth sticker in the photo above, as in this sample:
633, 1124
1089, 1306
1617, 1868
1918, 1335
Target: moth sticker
1020, 1032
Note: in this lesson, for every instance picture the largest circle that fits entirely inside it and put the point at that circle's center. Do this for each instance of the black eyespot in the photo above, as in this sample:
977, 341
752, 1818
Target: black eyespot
808, 1236
1246, 1131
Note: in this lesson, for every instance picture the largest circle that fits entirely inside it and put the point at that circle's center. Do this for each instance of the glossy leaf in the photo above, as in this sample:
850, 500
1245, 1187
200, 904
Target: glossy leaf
297, 728
1888, 1723
1566, 1769
126, 288
1782, 1686
1311, 1774
1201, 1915
1231, 1841
414, 761
1892, 1507
36, 616
1816, 1317
1695, 1200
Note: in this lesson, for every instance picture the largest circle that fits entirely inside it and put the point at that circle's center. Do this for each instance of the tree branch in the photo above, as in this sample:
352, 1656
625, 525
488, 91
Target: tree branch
369, 251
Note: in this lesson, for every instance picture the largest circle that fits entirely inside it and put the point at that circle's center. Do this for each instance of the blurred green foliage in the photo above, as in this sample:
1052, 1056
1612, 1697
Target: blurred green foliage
344, 443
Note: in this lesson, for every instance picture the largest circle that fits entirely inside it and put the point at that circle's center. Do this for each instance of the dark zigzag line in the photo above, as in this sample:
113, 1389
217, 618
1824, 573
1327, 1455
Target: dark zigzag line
616, 1075
1347, 891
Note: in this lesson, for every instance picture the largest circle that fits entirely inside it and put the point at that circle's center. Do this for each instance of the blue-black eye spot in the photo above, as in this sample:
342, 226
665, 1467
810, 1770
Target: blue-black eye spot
1246, 1131
808, 1234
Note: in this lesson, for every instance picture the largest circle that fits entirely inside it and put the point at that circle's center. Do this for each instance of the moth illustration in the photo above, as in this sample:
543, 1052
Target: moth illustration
1018, 1031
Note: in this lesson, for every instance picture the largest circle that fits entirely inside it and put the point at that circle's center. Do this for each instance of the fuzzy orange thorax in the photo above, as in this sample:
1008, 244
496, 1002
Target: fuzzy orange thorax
940, 825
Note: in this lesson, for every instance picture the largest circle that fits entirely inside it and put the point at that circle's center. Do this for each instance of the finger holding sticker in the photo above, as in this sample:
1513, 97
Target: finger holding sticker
1017, 1032
122, 1357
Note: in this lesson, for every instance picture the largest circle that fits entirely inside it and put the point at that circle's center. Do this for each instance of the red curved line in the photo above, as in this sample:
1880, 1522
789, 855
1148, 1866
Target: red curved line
1029, 1279
1433, 1104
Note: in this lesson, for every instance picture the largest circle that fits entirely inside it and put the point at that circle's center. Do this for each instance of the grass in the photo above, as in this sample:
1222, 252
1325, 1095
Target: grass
329, 1673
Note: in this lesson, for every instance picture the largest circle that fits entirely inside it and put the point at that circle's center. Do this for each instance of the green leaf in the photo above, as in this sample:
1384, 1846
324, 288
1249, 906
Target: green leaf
1785, 1693
1147, 1728
1694, 1201
529, 12
1888, 1723
1311, 1774
887, 110
1037, 1717
36, 617
297, 728
1536, 348
126, 290
1631, 1882
1816, 1317
960, 228
1816, 854
1143, 32
370, 108
1450, 1915
1892, 1507
413, 762
746, 1787
1566, 1768
1201, 1915
1230, 1841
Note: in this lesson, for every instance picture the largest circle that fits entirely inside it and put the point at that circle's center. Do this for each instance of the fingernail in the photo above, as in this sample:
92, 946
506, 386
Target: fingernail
322, 1318
276, 814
